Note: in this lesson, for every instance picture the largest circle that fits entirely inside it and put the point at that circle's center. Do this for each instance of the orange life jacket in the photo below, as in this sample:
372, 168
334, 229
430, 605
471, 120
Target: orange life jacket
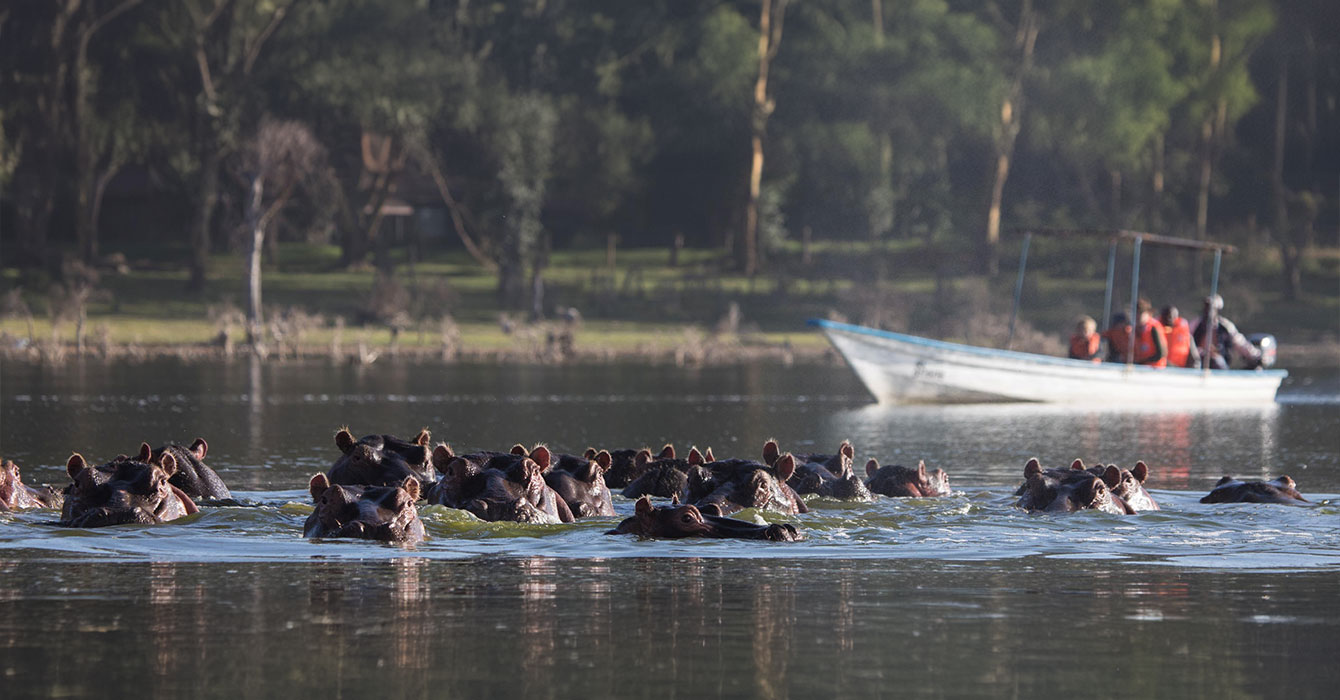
1179, 343
1086, 348
1145, 346
1118, 338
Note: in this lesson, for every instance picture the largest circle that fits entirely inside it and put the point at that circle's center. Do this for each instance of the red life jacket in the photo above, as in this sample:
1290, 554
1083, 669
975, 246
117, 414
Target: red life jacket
1118, 338
1179, 343
1082, 348
1145, 346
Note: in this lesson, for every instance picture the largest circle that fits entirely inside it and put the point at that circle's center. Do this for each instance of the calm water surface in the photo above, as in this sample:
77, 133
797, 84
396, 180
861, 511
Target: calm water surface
964, 596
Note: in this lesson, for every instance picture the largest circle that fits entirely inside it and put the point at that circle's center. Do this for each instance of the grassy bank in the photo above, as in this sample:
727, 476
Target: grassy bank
642, 306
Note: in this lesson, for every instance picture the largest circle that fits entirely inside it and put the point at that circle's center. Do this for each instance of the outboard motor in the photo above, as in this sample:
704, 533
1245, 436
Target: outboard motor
1266, 345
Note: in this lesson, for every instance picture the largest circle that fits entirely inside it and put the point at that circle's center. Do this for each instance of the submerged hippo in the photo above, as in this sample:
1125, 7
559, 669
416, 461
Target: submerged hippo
676, 521
581, 484
901, 482
125, 490
628, 465
1067, 490
667, 477
497, 487
195, 478
736, 484
829, 476
16, 495
1126, 484
381, 460
382, 513
1278, 490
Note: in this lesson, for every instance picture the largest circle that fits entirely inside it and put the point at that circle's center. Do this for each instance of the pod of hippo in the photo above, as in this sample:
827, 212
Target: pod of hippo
370, 491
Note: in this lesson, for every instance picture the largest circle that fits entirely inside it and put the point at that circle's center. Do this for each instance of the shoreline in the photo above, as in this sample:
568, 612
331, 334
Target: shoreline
710, 352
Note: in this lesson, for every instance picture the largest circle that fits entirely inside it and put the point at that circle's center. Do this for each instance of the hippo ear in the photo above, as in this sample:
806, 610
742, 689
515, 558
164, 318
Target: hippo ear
708, 456
1140, 471
542, 457
199, 448
423, 438
411, 485
602, 458
518, 450
1077, 465
667, 452
674, 499
1112, 476
871, 466
695, 457
643, 506
771, 452
921, 470
1223, 481
168, 463
146, 453
642, 457
785, 466
344, 440
1033, 468
712, 509
318, 485
846, 450
75, 465
590, 453
442, 455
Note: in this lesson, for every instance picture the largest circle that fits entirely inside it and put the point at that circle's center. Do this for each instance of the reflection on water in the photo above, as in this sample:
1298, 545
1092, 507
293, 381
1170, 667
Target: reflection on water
964, 596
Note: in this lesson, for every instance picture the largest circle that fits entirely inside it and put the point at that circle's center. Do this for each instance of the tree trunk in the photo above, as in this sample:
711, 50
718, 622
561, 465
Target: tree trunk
769, 39
1011, 112
255, 245
200, 230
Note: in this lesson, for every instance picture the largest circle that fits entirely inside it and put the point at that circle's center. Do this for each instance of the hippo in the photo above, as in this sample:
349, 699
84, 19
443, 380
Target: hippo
497, 487
16, 495
381, 460
836, 463
901, 482
627, 465
666, 477
829, 476
381, 513
1067, 490
1281, 490
1127, 484
195, 478
736, 484
582, 486
124, 490
677, 521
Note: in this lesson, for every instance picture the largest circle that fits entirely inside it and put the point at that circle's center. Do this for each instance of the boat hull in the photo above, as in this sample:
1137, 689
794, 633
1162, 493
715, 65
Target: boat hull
899, 368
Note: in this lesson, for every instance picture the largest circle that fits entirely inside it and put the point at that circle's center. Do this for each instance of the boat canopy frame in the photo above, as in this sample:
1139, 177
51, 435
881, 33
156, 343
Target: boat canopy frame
1138, 239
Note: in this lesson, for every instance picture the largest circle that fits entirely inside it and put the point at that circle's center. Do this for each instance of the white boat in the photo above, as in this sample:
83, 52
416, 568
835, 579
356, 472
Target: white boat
899, 368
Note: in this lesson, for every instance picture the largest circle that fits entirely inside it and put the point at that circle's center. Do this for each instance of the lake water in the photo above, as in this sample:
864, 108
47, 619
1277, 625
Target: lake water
962, 596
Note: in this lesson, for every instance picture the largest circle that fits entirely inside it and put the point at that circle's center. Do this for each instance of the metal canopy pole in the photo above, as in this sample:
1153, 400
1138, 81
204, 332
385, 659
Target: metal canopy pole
1018, 289
1107, 293
1135, 294
1212, 317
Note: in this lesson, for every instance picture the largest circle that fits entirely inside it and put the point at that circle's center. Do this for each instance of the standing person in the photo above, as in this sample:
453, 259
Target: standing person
1225, 340
1151, 346
1118, 337
1085, 342
1181, 349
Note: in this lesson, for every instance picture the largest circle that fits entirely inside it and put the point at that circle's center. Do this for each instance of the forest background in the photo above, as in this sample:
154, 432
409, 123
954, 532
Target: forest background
610, 176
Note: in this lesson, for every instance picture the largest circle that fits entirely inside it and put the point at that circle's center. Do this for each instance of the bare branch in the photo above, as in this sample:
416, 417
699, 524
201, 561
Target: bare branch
254, 50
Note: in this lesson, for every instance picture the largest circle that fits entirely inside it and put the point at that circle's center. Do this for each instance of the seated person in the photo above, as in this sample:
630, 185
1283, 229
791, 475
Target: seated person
1225, 342
1151, 347
1118, 337
1085, 343
1181, 349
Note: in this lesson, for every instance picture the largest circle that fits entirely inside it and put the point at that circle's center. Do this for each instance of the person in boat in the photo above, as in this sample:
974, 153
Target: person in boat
1226, 341
1151, 345
1085, 342
1118, 337
1181, 349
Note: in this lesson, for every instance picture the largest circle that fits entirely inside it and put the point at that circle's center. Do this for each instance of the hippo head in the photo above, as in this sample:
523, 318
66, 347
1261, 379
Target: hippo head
901, 482
766, 489
382, 460
1281, 490
1063, 491
382, 513
125, 490
13, 494
679, 521
458, 477
1128, 484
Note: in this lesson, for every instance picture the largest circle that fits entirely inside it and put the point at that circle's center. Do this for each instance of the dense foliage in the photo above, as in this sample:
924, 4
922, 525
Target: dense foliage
544, 124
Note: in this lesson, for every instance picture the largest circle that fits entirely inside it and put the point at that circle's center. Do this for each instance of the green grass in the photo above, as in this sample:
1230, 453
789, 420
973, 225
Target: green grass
643, 303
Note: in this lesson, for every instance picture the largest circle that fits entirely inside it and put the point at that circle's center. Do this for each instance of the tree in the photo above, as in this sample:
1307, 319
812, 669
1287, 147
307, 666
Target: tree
772, 15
